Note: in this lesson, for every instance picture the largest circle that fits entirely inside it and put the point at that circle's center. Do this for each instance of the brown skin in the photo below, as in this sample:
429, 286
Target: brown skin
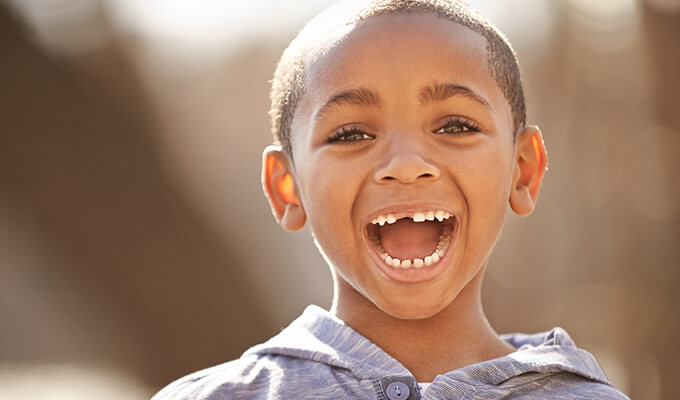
457, 336
405, 155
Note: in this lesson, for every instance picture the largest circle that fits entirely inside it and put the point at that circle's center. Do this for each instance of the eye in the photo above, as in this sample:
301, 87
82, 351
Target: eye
457, 125
349, 134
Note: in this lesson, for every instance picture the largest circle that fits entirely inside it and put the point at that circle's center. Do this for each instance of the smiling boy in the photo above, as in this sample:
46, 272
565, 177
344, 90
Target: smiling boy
401, 140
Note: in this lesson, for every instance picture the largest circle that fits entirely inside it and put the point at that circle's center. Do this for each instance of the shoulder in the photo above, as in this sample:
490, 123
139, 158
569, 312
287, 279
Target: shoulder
566, 385
253, 377
550, 365
210, 382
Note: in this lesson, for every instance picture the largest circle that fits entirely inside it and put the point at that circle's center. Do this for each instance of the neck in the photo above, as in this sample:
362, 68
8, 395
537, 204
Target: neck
457, 336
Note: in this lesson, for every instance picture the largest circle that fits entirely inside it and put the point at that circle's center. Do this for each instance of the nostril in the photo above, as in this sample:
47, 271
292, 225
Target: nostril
421, 176
406, 168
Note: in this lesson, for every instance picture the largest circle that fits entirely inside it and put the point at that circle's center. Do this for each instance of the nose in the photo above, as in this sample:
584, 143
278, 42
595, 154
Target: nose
406, 166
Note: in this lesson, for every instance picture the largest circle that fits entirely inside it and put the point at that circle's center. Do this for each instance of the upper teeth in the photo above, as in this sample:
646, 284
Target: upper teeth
419, 216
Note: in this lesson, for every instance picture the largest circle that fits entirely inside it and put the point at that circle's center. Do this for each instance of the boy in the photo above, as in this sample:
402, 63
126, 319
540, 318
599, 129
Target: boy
401, 138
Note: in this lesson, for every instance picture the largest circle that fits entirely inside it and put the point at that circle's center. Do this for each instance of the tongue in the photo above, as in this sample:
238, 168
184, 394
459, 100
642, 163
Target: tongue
408, 240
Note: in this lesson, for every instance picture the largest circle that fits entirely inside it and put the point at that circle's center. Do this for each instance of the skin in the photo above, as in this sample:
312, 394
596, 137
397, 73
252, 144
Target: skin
399, 153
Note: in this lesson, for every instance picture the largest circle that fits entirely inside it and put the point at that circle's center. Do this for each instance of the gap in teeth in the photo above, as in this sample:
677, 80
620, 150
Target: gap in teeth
443, 244
420, 216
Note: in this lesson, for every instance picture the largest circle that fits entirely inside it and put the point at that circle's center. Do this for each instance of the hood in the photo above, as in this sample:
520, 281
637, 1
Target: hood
319, 336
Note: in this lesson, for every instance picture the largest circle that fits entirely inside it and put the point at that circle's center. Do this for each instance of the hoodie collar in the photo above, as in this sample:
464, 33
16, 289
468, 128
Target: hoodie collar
319, 336
543, 353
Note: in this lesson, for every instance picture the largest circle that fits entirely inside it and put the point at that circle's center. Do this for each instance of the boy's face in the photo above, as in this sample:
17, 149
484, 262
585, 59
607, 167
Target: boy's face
402, 117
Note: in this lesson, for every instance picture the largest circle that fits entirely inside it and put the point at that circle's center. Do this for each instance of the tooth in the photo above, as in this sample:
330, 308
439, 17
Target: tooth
439, 215
435, 257
396, 262
391, 219
382, 220
418, 217
429, 216
375, 221
428, 260
388, 260
447, 215
418, 262
406, 264
441, 253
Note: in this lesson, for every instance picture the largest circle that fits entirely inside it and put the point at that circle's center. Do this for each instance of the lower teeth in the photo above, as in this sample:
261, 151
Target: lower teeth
442, 246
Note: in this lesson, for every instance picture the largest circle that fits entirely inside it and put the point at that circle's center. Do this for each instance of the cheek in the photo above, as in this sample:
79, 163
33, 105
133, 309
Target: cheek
329, 196
486, 192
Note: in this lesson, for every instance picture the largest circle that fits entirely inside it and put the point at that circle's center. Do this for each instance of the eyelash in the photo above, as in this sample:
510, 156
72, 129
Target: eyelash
348, 134
352, 134
462, 126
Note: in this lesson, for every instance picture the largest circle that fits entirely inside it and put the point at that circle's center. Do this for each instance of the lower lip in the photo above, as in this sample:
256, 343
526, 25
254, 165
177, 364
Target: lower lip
413, 275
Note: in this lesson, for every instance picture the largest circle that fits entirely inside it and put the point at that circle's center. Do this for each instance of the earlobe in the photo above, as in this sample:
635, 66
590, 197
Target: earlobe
280, 189
531, 160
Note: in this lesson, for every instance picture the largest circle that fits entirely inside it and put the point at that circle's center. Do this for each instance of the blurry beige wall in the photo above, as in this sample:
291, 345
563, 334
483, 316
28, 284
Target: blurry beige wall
136, 246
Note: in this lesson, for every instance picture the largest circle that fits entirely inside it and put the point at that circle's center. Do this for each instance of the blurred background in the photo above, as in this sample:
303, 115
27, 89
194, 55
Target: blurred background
136, 246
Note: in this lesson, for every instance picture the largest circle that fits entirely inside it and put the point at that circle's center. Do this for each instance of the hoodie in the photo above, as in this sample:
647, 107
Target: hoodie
320, 357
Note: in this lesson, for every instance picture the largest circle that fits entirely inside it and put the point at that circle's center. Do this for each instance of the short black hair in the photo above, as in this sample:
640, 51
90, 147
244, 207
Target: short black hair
288, 84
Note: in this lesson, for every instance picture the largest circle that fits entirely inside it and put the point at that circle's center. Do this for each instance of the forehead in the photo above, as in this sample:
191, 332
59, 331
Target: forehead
400, 53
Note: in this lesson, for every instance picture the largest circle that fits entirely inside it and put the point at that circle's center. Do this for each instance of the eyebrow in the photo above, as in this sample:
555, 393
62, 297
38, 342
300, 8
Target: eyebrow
438, 92
355, 97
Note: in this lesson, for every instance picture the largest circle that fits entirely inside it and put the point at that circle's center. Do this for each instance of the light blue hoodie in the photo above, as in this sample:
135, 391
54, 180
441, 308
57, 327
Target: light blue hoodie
319, 357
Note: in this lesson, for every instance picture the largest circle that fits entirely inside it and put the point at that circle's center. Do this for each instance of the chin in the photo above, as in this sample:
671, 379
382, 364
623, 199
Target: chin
410, 310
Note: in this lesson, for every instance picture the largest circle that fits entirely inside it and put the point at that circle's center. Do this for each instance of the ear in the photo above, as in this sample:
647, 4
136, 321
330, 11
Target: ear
281, 189
531, 160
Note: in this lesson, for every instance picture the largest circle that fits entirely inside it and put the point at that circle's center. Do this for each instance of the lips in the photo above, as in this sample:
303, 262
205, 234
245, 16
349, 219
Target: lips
411, 240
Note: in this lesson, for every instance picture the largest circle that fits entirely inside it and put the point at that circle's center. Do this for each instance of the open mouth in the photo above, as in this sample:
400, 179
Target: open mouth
411, 240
